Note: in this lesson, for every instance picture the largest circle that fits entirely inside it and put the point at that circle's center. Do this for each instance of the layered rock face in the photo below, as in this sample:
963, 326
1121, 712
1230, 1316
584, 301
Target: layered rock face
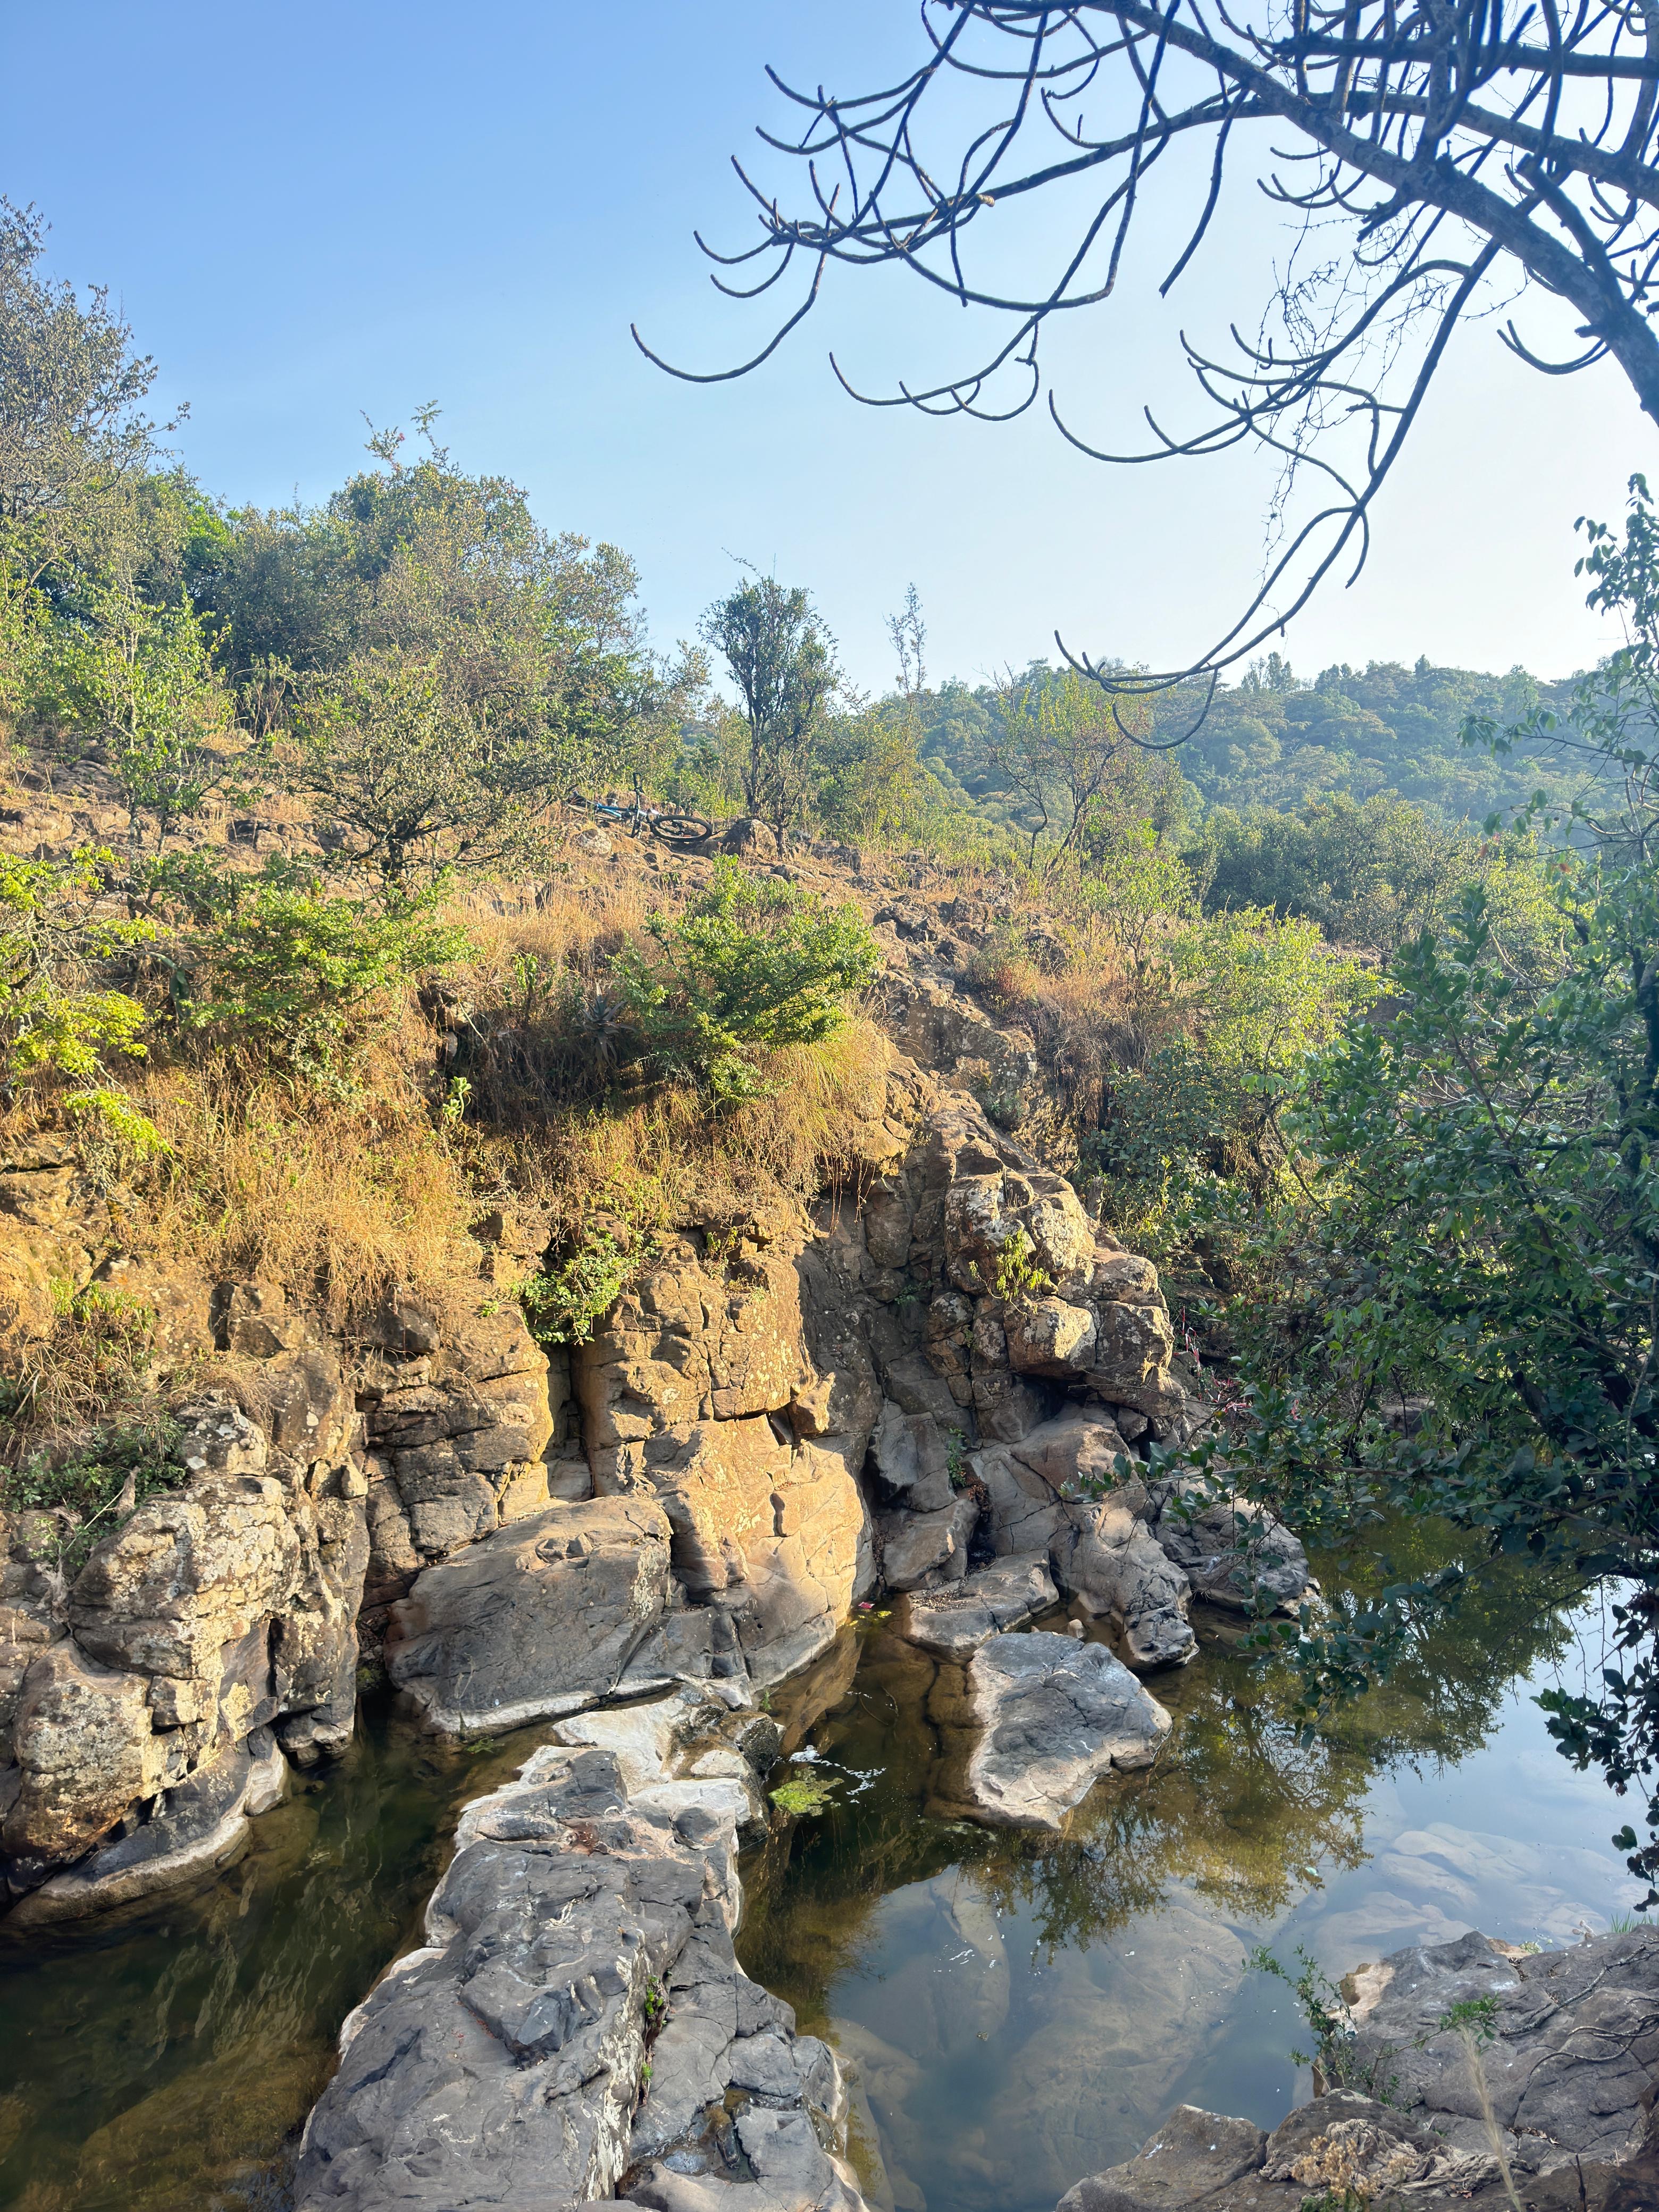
1024, 1357
148, 1708
947, 1364
577, 2015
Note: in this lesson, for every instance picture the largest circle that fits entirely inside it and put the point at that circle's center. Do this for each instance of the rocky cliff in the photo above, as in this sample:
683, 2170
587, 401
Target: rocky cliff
945, 1362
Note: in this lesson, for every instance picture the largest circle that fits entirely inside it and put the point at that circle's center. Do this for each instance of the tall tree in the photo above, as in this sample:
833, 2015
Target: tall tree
71, 389
782, 660
1483, 1243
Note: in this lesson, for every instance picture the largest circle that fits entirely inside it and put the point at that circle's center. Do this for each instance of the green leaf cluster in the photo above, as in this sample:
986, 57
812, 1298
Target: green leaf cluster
57, 1017
751, 964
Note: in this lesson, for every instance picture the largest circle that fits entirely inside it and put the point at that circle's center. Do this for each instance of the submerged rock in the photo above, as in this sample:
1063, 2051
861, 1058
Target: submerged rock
1193, 2153
1055, 1715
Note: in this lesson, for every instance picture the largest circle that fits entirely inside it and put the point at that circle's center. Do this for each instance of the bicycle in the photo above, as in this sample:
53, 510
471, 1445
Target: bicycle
672, 829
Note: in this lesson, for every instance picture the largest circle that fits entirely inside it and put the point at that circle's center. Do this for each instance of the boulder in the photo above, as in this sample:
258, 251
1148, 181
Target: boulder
197, 1826
1134, 1346
913, 1454
1104, 1554
1033, 1212
1051, 1338
919, 1547
1079, 1454
585, 1922
1054, 1714
85, 1752
776, 1536
1106, 1559
956, 1621
1233, 1555
1568, 2052
690, 1342
554, 1614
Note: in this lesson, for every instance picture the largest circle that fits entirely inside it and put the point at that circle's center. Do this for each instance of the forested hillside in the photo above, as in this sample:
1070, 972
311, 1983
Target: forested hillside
1277, 740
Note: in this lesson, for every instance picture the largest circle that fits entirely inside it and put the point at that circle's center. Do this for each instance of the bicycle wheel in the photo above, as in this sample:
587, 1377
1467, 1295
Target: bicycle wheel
682, 830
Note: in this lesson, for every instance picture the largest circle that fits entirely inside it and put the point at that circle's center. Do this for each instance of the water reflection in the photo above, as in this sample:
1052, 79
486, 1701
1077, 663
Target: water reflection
1022, 2011
163, 2058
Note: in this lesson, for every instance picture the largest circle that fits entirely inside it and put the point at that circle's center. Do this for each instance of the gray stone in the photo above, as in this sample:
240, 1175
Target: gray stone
1107, 1560
200, 1825
544, 1617
1048, 1337
911, 1453
1054, 1715
916, 1548
955, 1622
1575, 2038
511, 2063
1234, 1556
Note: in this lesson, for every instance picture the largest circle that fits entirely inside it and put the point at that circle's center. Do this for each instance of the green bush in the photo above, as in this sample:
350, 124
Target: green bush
92, 1491
752, 964
55, 1017
562, 1305
138, 683
296, 974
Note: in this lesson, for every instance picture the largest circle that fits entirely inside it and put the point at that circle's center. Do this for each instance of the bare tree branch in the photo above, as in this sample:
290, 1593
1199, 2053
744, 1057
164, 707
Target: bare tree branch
1458, 142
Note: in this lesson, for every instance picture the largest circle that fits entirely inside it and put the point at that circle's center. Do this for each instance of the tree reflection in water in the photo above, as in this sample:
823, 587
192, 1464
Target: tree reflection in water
1122, 1943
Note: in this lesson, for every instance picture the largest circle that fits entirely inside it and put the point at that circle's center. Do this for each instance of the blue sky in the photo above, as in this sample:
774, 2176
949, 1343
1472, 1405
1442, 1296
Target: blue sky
308, 212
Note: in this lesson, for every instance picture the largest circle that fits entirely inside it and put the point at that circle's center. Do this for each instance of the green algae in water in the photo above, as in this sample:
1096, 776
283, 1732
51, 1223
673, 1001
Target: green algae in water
162, 2059
1022, 2009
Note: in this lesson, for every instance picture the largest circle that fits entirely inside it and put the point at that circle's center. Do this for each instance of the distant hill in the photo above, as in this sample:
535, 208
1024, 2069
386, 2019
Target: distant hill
1275, 740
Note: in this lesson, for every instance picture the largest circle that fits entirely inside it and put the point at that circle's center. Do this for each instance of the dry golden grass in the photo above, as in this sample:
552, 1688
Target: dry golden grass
670, 1159
576, 921
337, 1198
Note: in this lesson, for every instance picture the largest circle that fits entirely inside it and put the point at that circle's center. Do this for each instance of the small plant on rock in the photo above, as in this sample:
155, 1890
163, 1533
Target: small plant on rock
563, 1304
1018, 1274
1322, 2008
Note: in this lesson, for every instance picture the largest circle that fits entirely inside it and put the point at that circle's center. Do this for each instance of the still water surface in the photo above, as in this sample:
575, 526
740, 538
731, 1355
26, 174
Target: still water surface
161, 2060
1022, 2011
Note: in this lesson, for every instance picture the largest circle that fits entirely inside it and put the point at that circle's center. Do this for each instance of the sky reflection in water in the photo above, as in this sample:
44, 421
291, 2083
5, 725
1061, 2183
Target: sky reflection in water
1023, 2011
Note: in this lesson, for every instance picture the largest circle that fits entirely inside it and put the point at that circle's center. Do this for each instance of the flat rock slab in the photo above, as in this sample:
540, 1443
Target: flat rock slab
547, 1616
1193, 2155
1550, 2077
1055, 1715
955, 1623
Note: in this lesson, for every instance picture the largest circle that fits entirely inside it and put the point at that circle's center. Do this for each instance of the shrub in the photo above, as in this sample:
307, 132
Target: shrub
54, 1018
138, 681
95, 1488
752, 965
562, 1306
295, 973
